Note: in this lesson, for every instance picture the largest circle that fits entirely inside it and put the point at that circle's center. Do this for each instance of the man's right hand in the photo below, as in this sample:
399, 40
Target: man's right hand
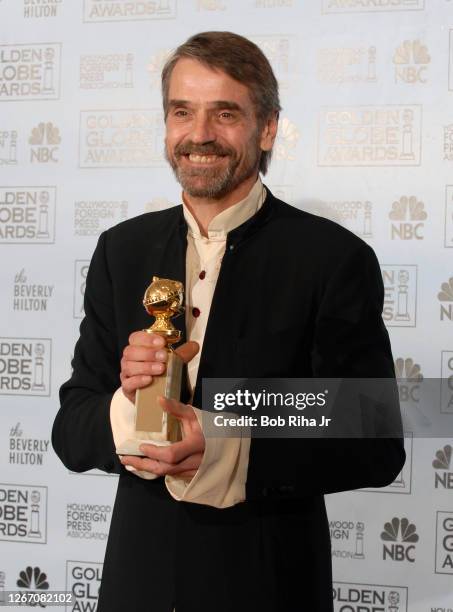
144, 357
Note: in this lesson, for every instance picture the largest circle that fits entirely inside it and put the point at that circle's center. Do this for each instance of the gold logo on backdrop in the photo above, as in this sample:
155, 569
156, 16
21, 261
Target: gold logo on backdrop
400, 295
347, 65
8, 147
45, 133
44, 138
446, 295
367, 6
210, 5
449, 216
110, 71
155, 65
287, 138
128, 10
409, 214
411, 59
387, 135
448, 142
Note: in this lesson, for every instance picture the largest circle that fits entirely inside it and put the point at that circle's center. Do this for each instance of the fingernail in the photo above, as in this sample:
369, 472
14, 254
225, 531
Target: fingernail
158, 341
157, 368
161, 355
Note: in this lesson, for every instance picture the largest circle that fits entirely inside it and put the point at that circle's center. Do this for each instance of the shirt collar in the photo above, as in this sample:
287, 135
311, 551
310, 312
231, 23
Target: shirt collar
232, 217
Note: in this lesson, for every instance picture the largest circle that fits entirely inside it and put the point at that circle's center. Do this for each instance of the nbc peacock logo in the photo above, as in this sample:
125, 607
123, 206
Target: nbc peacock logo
409, 377
445, 296
32, 579
399, 537
407, 216
443, 477
411, 60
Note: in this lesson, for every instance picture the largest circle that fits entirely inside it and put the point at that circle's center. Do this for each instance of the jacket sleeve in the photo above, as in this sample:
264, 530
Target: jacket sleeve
81, 434
350, 341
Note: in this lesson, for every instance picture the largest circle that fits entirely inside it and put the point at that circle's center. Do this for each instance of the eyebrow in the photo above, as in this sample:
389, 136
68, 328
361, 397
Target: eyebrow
218, 104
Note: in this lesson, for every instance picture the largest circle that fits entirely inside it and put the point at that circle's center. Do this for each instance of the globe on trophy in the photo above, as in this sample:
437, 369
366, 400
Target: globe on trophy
163, 300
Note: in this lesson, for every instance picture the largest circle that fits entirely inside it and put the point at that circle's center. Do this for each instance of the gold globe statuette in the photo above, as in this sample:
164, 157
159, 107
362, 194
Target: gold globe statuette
163, 300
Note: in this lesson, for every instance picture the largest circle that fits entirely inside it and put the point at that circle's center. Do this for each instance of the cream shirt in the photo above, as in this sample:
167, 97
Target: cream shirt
221, 477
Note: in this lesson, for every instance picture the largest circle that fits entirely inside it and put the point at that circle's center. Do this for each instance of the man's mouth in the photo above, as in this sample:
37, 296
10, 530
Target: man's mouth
203, 159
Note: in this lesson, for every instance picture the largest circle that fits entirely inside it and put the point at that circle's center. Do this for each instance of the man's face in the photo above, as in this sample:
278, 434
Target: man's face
213, 142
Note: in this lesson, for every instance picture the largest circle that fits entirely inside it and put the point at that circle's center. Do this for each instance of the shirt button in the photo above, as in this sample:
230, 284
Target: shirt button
196, 312
202, 274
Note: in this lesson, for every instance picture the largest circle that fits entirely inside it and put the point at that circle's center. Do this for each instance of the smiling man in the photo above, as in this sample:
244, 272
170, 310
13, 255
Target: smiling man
227, 524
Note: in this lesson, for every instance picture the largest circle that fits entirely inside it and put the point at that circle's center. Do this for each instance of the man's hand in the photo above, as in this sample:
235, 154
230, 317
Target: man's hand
144, 357
180, 459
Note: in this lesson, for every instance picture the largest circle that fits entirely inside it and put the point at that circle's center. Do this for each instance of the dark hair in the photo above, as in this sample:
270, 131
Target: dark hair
242, 60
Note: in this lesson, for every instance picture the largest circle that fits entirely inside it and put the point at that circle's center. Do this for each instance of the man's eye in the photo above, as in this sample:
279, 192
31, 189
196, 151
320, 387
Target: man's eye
181, 113
226, 115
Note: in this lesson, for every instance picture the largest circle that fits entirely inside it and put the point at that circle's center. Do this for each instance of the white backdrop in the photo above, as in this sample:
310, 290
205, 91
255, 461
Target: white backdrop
366, 138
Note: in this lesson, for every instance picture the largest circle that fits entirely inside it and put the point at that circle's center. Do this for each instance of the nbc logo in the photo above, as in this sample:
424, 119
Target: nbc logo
446, 295
409, 377
399, 537
410, 214
44, 140
411, 59
442, 476
32, 579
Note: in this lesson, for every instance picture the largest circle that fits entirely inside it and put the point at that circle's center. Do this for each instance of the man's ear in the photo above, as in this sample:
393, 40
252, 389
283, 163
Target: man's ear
269, 132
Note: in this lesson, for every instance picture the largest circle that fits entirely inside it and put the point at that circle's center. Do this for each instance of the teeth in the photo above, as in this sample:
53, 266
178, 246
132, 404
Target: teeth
202, 159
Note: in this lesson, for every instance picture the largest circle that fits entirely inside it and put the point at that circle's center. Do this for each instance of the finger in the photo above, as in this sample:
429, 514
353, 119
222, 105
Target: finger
174, 453
131, 384
188, 350
143, 338
137, 368
161, 468
177, 409
144, 353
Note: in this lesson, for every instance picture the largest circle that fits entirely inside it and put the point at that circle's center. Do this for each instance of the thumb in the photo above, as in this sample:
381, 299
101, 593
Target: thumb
188, 350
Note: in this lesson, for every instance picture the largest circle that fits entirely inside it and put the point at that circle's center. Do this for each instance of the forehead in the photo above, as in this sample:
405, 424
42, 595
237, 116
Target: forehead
193, 81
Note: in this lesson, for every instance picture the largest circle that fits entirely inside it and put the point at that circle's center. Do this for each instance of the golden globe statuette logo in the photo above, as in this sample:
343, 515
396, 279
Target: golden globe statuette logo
411, 60
409, 212
27, 215
163, 300
83, 579
384, 135
30, 71
400, 295
8, 147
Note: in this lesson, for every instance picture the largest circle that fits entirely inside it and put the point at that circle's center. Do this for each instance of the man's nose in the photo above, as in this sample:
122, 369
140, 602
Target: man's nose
202, 129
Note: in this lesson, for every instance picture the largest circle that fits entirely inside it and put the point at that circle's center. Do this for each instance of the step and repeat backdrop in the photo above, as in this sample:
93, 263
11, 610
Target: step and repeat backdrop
365, 138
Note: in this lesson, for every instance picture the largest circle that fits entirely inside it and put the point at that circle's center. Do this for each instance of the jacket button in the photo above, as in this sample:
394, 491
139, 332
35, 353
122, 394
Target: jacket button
196, 311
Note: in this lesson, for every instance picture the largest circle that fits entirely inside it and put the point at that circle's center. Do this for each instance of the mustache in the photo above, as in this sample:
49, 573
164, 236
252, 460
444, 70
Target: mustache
211, 148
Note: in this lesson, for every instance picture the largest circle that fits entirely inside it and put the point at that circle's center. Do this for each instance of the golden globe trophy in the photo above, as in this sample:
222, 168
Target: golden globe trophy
163, 300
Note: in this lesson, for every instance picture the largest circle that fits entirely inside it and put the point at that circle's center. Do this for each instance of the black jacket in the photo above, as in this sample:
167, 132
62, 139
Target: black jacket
297, 296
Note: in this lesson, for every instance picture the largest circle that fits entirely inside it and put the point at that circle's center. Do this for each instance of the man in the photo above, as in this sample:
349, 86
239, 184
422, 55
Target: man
235, 524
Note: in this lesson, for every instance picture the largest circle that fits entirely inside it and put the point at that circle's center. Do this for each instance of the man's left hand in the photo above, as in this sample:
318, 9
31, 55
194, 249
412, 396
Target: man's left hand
181, 459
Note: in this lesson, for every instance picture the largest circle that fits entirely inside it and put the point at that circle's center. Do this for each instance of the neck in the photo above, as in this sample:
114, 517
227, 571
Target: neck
205, 209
